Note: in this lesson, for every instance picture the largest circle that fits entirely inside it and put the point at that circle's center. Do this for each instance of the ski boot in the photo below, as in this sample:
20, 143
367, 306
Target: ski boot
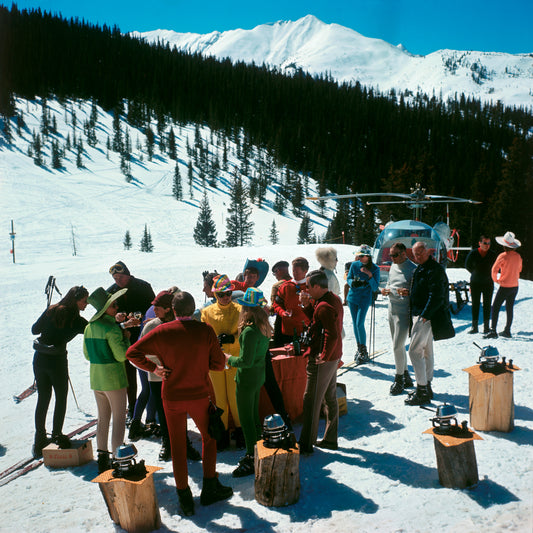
186, 501
420, 396
246, 467
407, 381
398, 386
361, 357
213, 491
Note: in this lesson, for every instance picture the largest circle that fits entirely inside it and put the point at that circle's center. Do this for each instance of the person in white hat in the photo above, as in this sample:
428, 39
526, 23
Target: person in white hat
505, 272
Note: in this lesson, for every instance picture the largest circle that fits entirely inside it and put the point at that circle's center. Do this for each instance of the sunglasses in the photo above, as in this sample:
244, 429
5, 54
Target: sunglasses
226, 294
486, 243
116, 269
394, 255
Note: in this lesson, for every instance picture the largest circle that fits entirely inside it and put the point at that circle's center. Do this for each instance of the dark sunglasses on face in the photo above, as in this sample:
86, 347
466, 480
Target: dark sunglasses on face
116, 269
486, 243
225, 294
395, 255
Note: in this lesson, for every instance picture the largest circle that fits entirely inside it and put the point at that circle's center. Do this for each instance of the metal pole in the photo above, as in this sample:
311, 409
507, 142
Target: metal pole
12, 237
74, 394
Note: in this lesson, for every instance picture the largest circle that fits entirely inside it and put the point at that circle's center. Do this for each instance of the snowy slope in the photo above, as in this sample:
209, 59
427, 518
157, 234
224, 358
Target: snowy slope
384, 476
318, 48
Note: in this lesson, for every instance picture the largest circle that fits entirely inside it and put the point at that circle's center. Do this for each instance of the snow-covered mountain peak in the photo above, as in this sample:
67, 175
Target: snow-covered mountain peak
316, 47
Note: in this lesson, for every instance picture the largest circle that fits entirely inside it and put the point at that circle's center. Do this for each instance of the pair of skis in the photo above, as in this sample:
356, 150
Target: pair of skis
24, 394
354, 364
30, 463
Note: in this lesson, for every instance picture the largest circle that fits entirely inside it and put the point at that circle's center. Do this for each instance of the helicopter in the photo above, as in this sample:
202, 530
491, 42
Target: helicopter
439, 239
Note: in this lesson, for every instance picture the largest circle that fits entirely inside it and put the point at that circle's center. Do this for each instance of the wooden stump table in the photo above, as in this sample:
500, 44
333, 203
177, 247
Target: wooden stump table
131, 504
456, 460
491, 401
277, 475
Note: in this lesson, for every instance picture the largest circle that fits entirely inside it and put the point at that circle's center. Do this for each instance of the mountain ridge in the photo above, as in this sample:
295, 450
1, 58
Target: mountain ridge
347, 56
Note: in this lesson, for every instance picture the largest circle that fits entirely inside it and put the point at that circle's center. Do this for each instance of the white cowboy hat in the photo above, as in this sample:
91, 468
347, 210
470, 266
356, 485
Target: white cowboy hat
509, 240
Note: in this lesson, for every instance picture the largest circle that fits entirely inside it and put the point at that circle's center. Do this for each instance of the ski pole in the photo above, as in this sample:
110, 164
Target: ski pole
74, 394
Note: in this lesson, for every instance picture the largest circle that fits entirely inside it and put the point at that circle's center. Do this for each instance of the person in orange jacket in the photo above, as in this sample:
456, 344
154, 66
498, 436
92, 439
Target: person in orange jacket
505, 272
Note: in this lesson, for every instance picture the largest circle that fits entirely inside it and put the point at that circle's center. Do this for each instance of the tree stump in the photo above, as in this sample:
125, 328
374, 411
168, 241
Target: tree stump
456, 460
491, 401
277, 475
131, 504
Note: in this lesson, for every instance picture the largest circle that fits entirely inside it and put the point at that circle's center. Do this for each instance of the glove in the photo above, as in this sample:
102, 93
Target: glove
225, 338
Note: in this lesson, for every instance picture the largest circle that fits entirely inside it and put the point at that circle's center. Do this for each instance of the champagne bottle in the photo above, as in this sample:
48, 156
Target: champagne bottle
296, 343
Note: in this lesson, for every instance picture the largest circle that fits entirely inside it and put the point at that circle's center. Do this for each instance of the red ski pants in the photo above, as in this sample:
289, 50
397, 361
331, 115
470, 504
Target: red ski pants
176, 414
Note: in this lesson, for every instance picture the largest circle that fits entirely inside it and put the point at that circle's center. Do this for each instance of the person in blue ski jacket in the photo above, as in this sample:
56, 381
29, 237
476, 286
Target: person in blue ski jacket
363, 280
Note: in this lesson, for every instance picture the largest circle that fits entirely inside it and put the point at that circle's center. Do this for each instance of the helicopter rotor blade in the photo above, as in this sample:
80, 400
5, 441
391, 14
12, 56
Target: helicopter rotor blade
451, 199
357, 195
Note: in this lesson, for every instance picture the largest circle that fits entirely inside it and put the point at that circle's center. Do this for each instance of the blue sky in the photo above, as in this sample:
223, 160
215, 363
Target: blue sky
422, 26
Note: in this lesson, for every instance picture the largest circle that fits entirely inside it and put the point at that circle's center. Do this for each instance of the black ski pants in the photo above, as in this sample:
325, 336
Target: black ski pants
505, 295
477, 292
51, 372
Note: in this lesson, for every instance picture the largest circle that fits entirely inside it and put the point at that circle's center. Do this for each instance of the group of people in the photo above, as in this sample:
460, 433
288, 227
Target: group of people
191, 359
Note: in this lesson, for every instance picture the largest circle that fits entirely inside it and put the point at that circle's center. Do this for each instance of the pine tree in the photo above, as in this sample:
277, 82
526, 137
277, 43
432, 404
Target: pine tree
146, 241
90, 131
127, 240
37, 150
297, 197
279, 202
205, 230
79, 154
214, 171
117, 143
150, 141
7, 130
172, 145
305, 233
45, 118
225, 155
239, 227
56, 155
274, 234
94, 112
190, 178
177, 189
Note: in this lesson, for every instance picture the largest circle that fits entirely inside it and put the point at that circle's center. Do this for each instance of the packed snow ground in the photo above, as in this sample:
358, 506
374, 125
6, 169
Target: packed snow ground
383, 477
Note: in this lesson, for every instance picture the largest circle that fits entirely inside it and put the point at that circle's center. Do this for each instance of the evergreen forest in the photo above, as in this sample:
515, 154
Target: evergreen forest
349, 138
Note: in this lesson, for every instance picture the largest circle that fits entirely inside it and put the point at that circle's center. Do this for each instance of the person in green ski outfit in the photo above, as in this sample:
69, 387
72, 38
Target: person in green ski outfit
254, 336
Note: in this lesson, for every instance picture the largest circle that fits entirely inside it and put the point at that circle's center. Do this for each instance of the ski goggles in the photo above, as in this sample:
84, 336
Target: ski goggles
117, 269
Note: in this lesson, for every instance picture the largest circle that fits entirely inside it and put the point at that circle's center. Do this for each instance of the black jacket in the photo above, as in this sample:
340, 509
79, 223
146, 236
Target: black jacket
53, 339
429, 298
138, 297
480, 267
